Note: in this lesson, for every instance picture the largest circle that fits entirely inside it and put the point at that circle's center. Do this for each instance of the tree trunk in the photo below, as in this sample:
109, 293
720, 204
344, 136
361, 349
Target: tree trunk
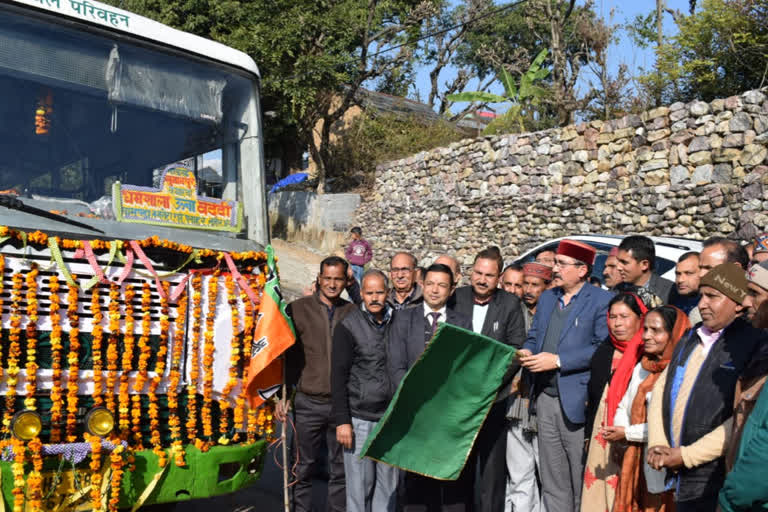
660, 40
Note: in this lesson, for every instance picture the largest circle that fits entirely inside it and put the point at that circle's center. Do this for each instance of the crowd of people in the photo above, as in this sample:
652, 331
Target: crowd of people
634, 394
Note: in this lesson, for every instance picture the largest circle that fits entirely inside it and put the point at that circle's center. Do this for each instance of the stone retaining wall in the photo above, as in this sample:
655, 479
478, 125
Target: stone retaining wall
689, 170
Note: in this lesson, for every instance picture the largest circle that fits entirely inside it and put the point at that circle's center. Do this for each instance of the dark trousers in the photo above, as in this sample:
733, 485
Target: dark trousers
424, 494
705, 504
489, 456
313, 423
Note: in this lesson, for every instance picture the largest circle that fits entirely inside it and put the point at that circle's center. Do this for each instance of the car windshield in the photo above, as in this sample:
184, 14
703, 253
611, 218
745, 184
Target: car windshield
81, 111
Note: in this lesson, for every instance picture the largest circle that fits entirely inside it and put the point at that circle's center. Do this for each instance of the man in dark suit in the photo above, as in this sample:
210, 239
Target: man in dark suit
411, 331
635, 262
499, 315
569, 324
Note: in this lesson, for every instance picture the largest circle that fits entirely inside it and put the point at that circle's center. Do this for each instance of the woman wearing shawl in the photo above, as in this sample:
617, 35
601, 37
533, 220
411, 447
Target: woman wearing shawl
643, 490
612, 366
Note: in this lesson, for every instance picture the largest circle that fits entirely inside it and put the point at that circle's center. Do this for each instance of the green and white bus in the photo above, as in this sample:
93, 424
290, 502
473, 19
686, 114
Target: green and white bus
133, 226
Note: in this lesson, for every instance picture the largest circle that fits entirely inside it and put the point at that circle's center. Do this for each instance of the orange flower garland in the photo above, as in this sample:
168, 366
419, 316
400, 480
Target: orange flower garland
97, 334
208, 350
124, 402
116, 462
240, 418
112, 352
19, 456
95, 467
145, 351
35, 478
73, 359
14, 351
2, 289
265, 421
234, 358
194, 360
31, 330
162, 352
174, 423
56, 348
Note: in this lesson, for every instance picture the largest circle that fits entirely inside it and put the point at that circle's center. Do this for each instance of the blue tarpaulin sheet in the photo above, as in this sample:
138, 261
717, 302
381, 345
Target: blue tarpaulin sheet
291, 179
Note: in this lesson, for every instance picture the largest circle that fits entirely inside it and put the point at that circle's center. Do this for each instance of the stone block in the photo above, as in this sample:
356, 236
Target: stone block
733, 103
652, 165
699, 144
700, 158
753, 154
741, 122
725, 154
734, 140
754, 97
677, 115
699, 108
678, 174
658, 134
717, 105
702, 174
722, 173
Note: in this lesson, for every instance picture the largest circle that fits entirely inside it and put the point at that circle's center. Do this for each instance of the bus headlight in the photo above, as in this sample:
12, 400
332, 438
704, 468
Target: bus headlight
26, 425
99, 421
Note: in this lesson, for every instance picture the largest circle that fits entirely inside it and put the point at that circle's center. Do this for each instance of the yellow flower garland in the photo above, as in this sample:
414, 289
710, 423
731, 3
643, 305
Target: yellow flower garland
19, 457
35, 478
241, 421
97, 334
2, 289
234, 358
14, 351
124, 401
162, 352
112, 352
95, 466
174, 423
116, 463
73, 359
31, 331
194, 361
56, 349
208, 350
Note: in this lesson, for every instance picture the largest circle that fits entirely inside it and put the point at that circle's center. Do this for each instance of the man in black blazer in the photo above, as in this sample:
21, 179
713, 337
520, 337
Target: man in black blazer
411, 331
498, 315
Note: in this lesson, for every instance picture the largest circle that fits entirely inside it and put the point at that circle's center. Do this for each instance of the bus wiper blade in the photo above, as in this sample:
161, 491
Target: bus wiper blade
14, 203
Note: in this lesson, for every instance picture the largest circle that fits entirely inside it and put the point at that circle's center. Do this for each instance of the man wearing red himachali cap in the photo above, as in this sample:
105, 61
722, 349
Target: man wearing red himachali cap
568, 325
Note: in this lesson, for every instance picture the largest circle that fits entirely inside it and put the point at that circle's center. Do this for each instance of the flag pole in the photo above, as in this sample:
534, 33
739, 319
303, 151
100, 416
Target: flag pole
284, 443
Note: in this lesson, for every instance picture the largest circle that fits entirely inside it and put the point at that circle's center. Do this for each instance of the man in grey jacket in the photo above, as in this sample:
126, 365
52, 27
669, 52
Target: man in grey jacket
360, 393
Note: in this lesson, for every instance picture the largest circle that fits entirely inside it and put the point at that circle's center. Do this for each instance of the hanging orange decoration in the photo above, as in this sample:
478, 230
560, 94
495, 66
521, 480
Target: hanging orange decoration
208, 350
112, 348
124, 400
31, 331
174, 423
73, 360
95, 466
19, 458
35, 478
14, 351
162, 352
194, 361
116, 462
97, 334
56, 349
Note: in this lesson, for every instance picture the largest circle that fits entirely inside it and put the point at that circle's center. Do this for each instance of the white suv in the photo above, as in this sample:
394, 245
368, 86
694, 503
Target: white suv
668, 250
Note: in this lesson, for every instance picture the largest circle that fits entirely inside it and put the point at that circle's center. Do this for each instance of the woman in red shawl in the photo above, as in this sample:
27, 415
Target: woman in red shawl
641, 488
610, 372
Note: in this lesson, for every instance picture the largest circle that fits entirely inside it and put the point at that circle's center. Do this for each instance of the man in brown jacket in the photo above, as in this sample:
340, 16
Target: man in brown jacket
308, 368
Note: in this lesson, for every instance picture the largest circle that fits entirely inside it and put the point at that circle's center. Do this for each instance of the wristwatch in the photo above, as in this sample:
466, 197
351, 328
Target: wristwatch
557, 362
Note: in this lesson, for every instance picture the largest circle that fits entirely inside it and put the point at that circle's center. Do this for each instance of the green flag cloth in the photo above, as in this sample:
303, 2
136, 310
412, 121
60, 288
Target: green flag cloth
433, 419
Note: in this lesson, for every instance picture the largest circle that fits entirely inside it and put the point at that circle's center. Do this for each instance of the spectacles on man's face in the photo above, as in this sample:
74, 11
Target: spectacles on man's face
561, 263
401, 270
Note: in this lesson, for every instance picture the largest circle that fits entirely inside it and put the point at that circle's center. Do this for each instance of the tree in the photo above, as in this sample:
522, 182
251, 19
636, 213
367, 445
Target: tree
520, 98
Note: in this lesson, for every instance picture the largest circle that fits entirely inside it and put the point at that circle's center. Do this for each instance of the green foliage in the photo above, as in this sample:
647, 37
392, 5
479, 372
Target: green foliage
520, 99
374, 138
720, 50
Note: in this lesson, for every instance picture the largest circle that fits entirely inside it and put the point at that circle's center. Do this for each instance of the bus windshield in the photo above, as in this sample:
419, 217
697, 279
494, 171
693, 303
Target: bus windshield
81, 110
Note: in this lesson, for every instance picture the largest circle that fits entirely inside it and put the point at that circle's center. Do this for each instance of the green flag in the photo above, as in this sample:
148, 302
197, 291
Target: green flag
433, 420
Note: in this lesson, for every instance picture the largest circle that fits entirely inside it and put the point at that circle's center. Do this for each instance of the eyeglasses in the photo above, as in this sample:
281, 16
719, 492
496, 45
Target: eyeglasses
559, 263
400, 270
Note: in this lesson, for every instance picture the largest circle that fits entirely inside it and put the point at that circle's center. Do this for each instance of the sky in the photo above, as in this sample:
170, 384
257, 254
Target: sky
624, 51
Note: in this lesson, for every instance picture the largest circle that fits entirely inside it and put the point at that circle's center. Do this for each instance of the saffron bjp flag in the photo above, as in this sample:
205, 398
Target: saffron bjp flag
273, 334
439, 407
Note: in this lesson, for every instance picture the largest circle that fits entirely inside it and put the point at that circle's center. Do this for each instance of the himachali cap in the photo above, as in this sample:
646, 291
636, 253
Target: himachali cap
614, 252
761, 243
758, 274
538, 270
578, 251
728, 279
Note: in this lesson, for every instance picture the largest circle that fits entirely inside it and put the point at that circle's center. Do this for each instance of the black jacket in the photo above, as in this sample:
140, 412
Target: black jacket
504, 320
360, 381
711, 399
599, 376
406, 338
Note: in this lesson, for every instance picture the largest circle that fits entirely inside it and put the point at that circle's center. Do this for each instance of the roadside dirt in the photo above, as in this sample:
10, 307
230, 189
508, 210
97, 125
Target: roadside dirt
298, 267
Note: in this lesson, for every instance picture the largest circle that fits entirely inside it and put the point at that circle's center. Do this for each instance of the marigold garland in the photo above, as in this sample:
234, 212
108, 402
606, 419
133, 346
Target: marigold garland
56, 349
97, 334
116, 462
241, 421
35, 478
145, 351
73, 359
124, 401
174, 423
14, 351
208, 350
112, 352
95, 466
265, 421
19, 458
162, 352
194, 361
